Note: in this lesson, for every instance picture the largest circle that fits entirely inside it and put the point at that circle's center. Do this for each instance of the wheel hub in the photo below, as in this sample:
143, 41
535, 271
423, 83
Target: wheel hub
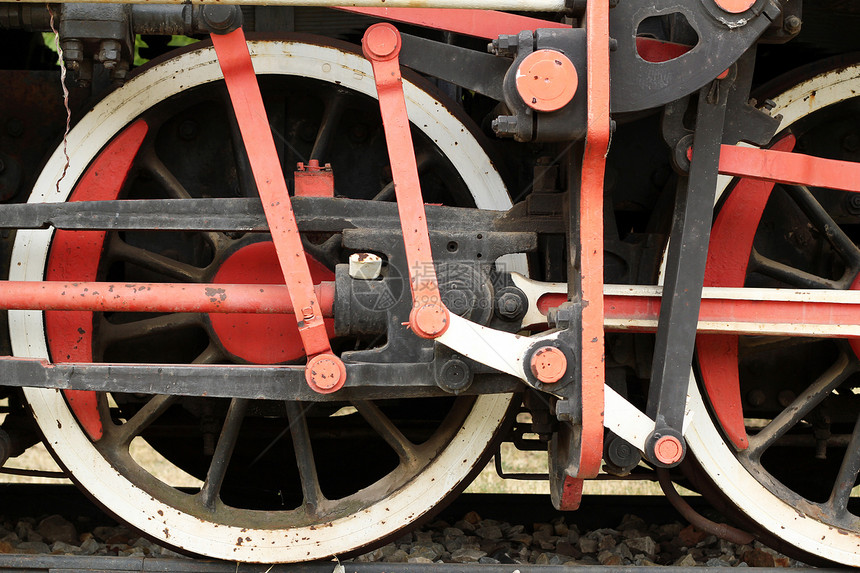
260, 338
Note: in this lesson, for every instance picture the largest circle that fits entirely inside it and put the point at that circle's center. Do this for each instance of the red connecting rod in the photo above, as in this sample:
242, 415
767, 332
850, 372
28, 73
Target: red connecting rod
381, 45
325, 372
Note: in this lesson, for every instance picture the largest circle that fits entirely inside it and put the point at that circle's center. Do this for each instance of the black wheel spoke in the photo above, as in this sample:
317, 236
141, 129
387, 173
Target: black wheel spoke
173, 187
424, 161
383, 426
311, 493
122, 332
211, 489
328, 125
171, 268
210, 355
802, 405
789, 275
822, 221
847, 476
157, 405
168, 181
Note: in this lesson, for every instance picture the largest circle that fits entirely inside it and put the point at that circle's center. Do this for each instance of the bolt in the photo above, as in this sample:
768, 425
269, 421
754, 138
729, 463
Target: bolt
768, 104
756, 398
785, 398
852, 203
509, 306
505, 125
505, 46
73, 51
851, 142
561, 317
15, 127
613, 44
792, 24
455, 376
110, 52
308, 313
221, 18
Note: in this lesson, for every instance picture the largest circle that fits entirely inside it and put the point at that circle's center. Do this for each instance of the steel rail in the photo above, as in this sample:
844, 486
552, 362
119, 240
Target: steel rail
516, 5
78, 564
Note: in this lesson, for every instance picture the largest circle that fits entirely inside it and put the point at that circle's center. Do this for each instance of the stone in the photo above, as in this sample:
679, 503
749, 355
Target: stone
644, 545
89, 546
102, 532
630, 521
453, 532
690, 536
424, 537
524, 538
33, 547
668, 531
472, 517
644, 562
717, 562
623, 551
757, 558
57, 528
492, 532
566, 548
465, 525
587, 545
489, 560
6, 547
560, 529
608, 558
418, 560
61, 547
606, 542
685, 561
543, 527
425, 551
542, 559
467, 555
399, 556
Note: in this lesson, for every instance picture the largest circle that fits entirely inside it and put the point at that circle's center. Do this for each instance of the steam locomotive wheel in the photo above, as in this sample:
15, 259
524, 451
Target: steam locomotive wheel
289, 516
800, 407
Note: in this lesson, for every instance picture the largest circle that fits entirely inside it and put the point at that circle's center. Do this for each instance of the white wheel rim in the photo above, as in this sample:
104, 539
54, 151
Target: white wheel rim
74, 448
703, 437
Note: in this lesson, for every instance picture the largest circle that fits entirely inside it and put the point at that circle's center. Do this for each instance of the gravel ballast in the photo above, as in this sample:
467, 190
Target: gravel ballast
470, 539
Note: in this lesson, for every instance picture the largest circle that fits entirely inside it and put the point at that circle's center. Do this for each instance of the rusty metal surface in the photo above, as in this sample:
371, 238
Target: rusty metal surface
29, 127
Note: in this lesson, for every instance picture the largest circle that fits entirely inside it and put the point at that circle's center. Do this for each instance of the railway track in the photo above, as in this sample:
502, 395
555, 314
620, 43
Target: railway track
598, 518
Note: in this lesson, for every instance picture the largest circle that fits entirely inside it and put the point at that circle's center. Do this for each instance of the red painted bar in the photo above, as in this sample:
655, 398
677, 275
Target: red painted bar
156, 297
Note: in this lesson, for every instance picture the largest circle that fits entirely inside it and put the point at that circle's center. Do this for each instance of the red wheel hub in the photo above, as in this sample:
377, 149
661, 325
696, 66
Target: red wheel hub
261, 338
